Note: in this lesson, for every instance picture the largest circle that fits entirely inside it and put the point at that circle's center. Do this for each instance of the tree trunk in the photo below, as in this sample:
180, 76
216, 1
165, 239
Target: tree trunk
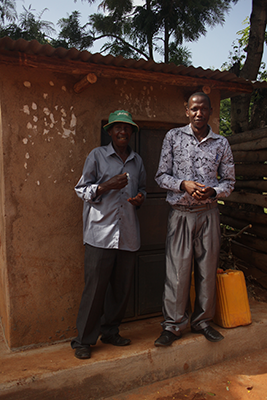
149, 36
166, 42
259, 109
240, 104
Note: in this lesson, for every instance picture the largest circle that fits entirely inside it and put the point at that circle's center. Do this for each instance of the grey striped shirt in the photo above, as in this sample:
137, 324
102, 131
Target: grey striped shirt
110, 221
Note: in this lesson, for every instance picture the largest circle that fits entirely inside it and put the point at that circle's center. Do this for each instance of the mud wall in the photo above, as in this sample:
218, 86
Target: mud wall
46, 132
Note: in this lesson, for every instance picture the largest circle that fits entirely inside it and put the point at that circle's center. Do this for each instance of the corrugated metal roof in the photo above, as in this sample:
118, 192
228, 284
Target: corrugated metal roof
35, 48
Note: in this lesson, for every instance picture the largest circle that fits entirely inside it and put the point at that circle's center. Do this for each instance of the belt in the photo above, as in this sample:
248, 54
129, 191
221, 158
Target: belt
201, 207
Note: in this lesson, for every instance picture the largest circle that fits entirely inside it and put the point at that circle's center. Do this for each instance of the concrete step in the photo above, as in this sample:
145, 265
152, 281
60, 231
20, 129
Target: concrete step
242, 378
53, 372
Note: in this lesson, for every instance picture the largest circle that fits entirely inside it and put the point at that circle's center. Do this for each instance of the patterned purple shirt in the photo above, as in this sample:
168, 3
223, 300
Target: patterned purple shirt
183, 157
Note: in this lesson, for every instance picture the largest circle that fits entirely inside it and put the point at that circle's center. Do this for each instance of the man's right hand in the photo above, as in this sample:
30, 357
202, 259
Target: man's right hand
197, 190
116, 182
191, 187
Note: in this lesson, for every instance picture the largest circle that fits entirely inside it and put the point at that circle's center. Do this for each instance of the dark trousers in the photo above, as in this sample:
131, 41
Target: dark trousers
108, 278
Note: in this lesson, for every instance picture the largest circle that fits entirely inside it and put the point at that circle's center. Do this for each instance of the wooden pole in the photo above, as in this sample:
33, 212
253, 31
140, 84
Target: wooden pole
247, 198
247, 136
250, 156
260, 185
256, 229
84, 82
252, 258
251, 145
259, 170
253, 242
249, 216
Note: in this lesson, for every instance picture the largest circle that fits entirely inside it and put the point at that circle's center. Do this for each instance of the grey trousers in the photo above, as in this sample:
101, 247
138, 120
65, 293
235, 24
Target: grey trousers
108, 277
193, 234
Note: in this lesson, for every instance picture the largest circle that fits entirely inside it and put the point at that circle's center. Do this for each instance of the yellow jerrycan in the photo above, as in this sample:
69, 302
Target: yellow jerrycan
232, 305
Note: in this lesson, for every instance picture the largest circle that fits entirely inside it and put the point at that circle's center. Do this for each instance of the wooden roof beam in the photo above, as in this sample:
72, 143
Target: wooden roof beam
84, 82
108, 71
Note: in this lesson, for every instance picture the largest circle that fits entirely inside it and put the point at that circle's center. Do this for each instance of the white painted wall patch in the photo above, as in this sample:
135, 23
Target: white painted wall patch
26, 109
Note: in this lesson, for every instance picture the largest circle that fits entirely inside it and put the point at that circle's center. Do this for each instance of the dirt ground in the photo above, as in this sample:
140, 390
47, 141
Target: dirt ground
244, 378
256, 291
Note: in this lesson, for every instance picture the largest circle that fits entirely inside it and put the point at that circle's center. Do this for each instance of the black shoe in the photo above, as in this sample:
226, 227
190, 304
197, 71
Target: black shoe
210, 334
166, 338
83, 353
116, 340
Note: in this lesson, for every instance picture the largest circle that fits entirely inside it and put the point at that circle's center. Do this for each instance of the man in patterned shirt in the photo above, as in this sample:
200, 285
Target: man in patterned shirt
196, 167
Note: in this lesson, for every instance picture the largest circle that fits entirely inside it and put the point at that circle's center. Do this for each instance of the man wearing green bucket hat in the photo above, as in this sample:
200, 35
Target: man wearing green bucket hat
121, 116
112, 188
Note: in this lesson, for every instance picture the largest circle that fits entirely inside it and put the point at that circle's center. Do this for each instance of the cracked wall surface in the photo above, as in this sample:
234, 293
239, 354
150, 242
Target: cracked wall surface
47, 132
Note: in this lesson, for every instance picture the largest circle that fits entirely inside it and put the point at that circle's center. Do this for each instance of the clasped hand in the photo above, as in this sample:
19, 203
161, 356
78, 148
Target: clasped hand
197, 190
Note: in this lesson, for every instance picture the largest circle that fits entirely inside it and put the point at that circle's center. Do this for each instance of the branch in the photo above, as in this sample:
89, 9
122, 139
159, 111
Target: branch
124, 42
236, 235
258, 20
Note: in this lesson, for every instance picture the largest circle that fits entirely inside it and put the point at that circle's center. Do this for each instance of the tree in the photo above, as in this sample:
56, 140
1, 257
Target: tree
240, 105
187, 19
140, 30
179, 55
72, 34
225, 121
7, 10
29, 26
125, 38
258, 106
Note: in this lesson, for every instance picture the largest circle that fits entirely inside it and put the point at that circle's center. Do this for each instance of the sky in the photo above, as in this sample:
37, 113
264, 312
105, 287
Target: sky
210, 51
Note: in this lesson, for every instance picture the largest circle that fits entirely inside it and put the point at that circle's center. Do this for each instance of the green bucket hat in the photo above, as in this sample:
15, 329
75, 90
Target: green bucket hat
121, 116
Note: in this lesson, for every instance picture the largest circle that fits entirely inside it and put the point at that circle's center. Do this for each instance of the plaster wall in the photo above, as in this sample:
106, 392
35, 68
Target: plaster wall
4, 299
47, 132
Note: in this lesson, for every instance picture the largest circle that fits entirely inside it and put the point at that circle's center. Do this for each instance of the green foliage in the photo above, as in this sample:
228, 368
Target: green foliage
238, 54
29, 26
158, 25
117, 48
179, 55
72, 34
7, 10
262, 75
257, 107
244, 33
225, 117
118, 8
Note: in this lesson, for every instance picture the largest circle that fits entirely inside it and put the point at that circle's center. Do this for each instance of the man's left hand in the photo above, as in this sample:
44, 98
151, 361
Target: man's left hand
137, 200
203, 194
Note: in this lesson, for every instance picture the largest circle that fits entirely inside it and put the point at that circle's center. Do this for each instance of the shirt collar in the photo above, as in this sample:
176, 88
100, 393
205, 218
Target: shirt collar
111, 151
211, 135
